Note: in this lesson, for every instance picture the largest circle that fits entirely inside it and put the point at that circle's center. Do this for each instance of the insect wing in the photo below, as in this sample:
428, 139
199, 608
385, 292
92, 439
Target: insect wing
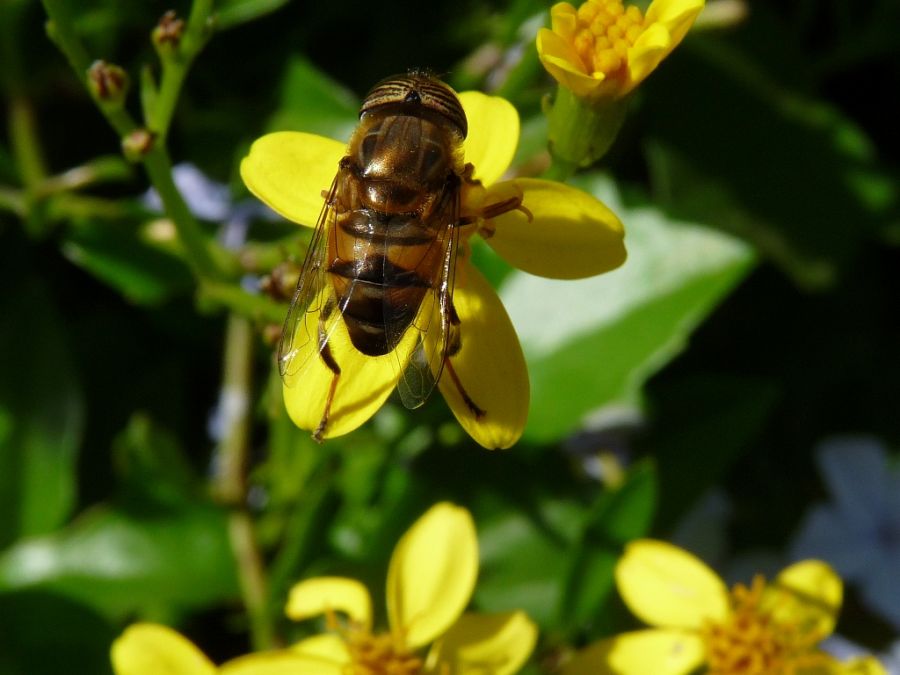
434, 321
311, 317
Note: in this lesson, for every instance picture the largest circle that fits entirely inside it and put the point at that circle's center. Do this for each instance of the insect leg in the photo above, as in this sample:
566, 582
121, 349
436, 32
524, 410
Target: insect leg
333, 366
453, 348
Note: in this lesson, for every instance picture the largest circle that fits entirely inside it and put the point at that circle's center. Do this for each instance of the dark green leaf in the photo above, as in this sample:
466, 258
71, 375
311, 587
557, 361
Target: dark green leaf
522, 558
790, 174
41, 409
312, 102
143, 274
619, 515
707, 421
231, 13
48, 634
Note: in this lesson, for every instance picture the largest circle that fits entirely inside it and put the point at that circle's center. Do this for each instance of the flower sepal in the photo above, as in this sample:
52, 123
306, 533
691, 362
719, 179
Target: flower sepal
582, 130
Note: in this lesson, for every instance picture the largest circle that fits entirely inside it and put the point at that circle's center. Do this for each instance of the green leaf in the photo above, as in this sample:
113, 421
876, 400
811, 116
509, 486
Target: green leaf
151, 463
704, 422
618, 515
594, 342
143, 274
230, 13
788, 173
521, 564
41, 408
312, 102
127, 562
48, 634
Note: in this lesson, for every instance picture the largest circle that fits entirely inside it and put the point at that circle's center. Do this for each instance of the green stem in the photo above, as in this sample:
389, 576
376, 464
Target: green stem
13, 200
254, 307
25, 144
175, 67
207, 260
230, 482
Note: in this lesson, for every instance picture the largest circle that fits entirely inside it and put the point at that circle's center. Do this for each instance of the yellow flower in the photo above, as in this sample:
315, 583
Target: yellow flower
763, 629
430, 580
569, 235
152, 649
603, 50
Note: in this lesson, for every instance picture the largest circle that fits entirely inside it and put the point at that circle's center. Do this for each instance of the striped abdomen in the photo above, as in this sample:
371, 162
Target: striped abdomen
381, 268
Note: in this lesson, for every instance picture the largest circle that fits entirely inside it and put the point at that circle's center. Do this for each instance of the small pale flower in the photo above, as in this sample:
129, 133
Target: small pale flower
560, 232
430, 581
762, 629
604, 49
858, 530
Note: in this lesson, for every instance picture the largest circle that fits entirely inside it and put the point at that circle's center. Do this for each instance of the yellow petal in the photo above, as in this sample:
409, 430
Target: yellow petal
650, 48
862, 666
572, 234
316, 596
288, 170
280, 663
667, 21
327, 646
499, 644
564, 20
432, 574
151, 649
493, 134
561, 61
676, 15
489, 366
364, 383
808, 594
666, 586
659, 651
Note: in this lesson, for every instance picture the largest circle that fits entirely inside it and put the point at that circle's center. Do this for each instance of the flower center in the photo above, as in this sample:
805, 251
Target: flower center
382, 654
605, 31
751, 642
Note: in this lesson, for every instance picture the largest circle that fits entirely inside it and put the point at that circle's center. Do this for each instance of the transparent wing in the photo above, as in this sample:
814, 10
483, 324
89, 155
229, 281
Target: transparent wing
434, 320
313, 294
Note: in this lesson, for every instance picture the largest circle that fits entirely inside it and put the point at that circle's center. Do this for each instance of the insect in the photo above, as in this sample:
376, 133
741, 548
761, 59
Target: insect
383, 254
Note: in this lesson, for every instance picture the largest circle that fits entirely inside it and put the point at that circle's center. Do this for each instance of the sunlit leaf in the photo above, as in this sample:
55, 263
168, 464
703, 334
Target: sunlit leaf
125, 563
593, 342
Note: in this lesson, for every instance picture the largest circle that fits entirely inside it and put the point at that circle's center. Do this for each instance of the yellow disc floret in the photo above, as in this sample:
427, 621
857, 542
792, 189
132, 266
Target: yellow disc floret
750, 642
605, 30
379, 654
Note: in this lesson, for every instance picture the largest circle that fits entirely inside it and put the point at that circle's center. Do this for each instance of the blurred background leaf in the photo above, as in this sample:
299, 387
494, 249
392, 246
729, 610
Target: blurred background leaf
41, 406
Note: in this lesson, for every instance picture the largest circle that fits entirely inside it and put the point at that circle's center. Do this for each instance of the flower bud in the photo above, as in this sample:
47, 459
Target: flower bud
107, 82
167, 35
137, 144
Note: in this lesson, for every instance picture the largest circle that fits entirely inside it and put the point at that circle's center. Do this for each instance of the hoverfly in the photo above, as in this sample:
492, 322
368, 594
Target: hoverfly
383, 255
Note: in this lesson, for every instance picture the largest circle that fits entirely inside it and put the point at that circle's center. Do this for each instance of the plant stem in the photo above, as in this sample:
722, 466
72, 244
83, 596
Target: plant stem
176, 66
239, 301
230, 480
13, 200
207, 260
26, 147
